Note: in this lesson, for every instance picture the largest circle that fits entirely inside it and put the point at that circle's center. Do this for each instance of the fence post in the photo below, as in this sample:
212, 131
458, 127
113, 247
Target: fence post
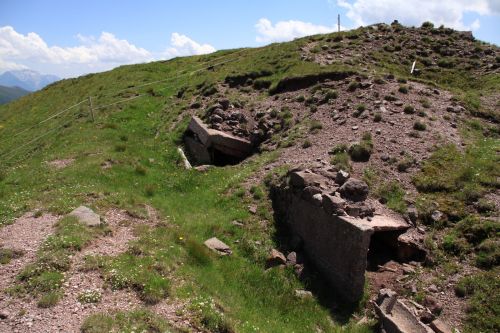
91, 109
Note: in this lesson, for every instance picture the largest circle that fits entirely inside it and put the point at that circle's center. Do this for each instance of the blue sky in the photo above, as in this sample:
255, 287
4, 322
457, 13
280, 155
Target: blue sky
69, 38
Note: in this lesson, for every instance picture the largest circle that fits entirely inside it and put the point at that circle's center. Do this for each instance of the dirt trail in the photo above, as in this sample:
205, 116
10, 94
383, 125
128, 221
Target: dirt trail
26, 235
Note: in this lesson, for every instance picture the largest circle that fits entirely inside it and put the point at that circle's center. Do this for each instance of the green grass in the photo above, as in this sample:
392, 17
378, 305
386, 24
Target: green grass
481, 291
126, 322
393, 195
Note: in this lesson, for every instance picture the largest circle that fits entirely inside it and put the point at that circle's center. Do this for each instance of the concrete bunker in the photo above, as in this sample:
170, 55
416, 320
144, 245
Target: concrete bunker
209, 146
313, 206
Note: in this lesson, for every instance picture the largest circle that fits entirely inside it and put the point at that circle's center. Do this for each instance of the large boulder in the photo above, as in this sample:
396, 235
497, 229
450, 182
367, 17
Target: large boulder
354, 190
86, 216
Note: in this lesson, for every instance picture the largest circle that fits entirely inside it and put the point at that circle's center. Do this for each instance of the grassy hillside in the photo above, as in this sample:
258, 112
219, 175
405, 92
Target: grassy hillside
138, 139
8, 94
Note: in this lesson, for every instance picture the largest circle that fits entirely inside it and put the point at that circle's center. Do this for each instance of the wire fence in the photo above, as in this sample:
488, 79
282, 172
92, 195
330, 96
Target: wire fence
8, 156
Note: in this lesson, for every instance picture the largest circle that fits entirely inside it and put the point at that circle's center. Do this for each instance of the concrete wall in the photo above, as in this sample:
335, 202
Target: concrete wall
336, 246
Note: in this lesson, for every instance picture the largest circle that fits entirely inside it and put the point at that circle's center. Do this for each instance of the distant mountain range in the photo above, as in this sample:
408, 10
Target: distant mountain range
26, 79
8, 94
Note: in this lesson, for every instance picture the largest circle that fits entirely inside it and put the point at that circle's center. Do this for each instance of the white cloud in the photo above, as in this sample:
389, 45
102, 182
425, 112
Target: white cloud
414, 12
93, 54
288, 30
182, 45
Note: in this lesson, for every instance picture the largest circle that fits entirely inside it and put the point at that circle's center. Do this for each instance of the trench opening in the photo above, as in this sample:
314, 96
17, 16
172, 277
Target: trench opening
383, 248
219, 158
198, 153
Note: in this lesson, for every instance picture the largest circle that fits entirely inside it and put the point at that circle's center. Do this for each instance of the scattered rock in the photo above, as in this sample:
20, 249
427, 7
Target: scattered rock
252, 209
354, 189
432, 288
203, 168
218, 246
4, 315
436, 216
433, 305
440, 327
86, 216
341, 177
412, 214
426, 317
291, 258
333, 204
300, 293
237, 223
276, 258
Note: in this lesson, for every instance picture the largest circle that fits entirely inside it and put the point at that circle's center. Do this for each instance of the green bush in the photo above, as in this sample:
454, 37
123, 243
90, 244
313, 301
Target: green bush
315, 126
419, 126
361, 152
403, 89
377, 117
352, 86
409, 109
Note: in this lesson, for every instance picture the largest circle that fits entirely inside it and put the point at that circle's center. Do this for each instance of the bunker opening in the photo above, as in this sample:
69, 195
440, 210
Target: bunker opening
382, 249
209, 146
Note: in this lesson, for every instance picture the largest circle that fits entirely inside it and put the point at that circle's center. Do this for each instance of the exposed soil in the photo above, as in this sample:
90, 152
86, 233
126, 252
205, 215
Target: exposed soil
61, 164
26, 234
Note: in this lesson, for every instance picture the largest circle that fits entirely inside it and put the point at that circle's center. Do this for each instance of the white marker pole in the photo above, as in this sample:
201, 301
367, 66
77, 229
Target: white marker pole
413, 67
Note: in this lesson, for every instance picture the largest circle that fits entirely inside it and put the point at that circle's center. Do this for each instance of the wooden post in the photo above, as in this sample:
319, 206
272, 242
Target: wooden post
91, 109
338, 21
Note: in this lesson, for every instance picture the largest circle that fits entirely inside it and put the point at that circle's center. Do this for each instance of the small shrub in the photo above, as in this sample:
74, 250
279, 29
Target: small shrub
120, 148
123, 138
419, 126
352, 86
405, 164
361, 152
330, 94
315, 126
341, 160
446, 63
392, 195
306, 144
140, 170
361, 107
49, 299
488, 254
390, 98
6, 255
300, 99
379, 80
427, 25
377, 117
257, 192
90, 296
403, 89
313, 108
409, 109
421, 114
149, 190
425, 103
